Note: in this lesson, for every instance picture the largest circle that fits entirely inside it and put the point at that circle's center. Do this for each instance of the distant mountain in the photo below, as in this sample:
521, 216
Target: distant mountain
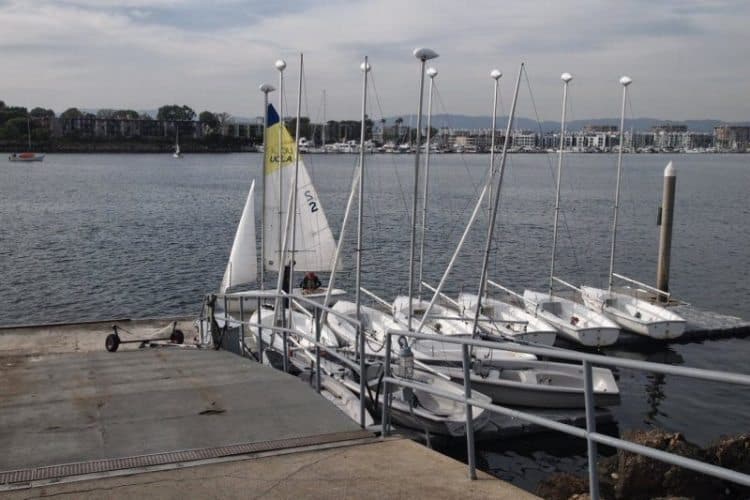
483, 122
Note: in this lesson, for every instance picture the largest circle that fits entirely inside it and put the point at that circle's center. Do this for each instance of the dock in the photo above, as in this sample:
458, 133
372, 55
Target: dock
178, 421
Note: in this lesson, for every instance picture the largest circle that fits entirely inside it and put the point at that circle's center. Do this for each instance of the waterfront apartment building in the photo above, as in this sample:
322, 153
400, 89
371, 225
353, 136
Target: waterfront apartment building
732, 138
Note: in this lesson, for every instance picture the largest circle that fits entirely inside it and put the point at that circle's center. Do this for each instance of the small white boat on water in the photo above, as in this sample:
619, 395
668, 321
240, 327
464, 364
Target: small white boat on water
629, 311
634, 314
573, 321
423, 411
501, 318
538, 384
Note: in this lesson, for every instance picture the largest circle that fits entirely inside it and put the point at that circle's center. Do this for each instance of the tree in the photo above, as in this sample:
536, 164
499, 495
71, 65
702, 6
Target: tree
70, 114
174, 113
42, 113
125, 114
399, 121
209, 121
224, 119
105, 113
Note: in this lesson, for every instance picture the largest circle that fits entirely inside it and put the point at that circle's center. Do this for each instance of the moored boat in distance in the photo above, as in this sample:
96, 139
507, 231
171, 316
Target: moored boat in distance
26, 157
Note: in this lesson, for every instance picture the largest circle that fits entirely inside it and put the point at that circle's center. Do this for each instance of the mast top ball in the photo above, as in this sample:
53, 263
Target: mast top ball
625, 81
365, 67
425, 54
266, 88
280, 65
566, 77
432, 72
496, 74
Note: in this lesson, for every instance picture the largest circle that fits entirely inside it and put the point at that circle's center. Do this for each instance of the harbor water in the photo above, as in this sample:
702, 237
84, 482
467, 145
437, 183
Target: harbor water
87, 237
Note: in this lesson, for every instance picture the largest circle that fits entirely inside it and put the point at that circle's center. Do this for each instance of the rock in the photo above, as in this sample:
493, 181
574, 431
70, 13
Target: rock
640, 477
732, 453
562, 486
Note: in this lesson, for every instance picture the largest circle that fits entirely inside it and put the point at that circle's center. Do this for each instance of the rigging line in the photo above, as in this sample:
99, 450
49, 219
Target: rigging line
549, 164
393, 161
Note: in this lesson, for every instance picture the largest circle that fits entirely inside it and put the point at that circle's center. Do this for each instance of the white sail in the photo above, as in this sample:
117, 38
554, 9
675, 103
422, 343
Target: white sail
242, 267
314, 243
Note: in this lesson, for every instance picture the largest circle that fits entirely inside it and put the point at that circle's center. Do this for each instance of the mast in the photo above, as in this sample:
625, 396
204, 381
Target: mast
490, 177
281, 66
295, 183
325, 123
432, 73
566, 78
28, 129
624, 81
496, 75
265, 88
365, 67
423, 55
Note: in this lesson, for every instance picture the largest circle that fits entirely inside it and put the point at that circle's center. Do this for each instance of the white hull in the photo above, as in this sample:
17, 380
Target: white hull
422, 411
509, 320
574, 321
447, 327
300, 322
539, 384
634, 314
377, 323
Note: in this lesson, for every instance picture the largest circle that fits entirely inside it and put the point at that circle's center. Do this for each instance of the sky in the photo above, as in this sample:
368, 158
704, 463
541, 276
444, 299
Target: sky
688, 58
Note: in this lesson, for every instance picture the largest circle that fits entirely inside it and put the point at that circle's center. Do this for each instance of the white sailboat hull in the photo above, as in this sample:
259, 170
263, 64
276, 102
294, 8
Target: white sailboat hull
377, 323
509, 320
26, 157
539, 384
574, 322
634, 314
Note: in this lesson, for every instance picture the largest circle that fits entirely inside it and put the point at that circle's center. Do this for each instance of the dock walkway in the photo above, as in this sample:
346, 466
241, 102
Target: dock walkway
178, 422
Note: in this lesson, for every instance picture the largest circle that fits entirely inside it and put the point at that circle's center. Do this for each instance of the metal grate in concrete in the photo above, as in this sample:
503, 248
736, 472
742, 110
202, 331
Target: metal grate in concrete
111, 464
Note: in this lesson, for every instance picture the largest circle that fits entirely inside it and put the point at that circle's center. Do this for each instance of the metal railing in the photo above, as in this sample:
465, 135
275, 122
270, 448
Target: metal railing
304, 306
589, 433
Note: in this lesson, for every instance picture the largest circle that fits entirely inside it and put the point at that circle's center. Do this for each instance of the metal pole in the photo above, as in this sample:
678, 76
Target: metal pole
496, 75
242, 326
296, 179
423, 55
281, 66
265, 88
317, 350
432, 73
384, 431
260, 333
471, 458
665, 233
624, 81
358, 277
566, 78
590, 428
286, 352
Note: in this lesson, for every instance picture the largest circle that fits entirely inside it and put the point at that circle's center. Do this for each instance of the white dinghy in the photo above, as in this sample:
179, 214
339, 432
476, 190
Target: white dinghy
573, 321
626, 310
539, 384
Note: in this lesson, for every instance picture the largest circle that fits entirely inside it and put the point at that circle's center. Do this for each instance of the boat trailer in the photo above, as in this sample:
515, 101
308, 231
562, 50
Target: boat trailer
114, 340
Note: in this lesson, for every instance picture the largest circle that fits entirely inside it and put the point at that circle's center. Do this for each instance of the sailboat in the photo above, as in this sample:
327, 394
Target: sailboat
573, 321
627, 310
177, 153
27, 156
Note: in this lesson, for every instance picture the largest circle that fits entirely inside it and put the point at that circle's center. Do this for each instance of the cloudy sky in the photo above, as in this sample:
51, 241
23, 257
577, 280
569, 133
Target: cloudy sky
688, 58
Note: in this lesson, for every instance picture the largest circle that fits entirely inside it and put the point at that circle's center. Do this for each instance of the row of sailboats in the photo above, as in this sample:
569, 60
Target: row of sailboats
295, 235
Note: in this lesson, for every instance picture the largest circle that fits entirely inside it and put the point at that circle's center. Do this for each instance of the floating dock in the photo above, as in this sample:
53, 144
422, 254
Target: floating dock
175, 422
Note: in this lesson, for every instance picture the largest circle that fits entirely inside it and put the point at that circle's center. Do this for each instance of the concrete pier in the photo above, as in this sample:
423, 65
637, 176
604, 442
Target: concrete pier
175, 422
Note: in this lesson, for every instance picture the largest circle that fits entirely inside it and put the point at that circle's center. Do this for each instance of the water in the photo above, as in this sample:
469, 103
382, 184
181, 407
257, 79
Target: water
103, 236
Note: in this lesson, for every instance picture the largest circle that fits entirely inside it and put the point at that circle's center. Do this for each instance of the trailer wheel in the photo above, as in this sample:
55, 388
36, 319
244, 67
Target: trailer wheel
112, 342
177, 337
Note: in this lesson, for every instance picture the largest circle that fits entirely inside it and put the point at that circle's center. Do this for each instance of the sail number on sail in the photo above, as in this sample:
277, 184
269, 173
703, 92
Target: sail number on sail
311, 201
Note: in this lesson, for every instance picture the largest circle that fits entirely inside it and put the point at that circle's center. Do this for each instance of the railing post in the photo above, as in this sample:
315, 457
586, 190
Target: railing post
242, 326
260, 333
469, 417
590, 429
317, 349
286, 353
386, 388
226, 313
200, 323
362, 376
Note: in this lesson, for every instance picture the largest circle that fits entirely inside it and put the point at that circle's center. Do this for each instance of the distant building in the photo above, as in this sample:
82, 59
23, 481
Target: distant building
732, 138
